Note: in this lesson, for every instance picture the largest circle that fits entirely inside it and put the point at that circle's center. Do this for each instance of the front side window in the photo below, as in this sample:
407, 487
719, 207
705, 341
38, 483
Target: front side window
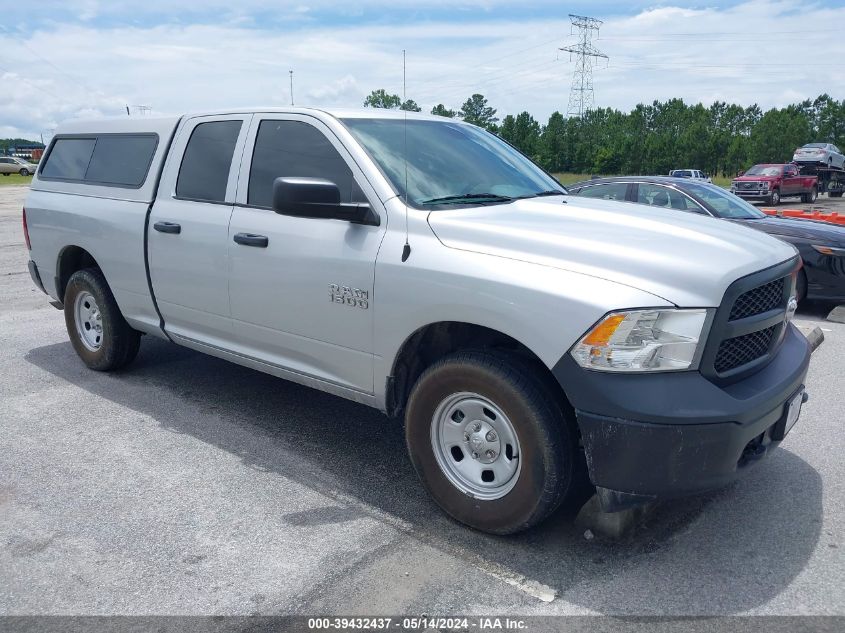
660, 196
723, 203
285, 149
609, 191
204, 172
446, 163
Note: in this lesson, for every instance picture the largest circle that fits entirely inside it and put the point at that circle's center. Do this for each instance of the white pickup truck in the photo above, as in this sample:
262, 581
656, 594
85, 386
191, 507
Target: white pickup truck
530, 340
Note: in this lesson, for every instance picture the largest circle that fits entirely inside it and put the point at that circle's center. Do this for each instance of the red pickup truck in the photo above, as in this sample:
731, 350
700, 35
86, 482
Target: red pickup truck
773, 182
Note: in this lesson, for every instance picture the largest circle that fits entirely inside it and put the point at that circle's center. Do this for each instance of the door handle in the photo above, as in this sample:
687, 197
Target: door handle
250, 239
168, 227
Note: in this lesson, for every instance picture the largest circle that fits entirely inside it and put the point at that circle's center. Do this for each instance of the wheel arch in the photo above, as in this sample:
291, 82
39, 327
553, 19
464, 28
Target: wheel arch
433, 341
71, 259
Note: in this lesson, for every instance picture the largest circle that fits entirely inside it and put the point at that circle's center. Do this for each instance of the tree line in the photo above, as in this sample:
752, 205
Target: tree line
6, 143
653, 139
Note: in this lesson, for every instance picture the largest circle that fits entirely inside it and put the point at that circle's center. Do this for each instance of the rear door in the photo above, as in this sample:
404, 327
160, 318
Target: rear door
303, 300
189, 228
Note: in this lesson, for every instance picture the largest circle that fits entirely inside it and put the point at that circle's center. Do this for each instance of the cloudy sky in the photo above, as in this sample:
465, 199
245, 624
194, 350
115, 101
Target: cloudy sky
63, 59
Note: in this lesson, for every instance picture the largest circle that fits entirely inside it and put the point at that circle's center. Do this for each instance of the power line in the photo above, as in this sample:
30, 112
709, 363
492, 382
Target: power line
73, 79
581, 94
720, 33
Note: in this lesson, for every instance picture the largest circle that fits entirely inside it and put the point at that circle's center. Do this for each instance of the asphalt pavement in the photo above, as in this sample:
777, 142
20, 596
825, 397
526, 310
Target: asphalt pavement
188, 485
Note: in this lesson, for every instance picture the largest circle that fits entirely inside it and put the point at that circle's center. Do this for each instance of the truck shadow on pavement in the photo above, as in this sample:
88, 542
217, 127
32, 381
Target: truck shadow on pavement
724, 553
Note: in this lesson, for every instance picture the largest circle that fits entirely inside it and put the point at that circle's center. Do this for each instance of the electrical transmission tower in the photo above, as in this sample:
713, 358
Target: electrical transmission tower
140, 110
581, 93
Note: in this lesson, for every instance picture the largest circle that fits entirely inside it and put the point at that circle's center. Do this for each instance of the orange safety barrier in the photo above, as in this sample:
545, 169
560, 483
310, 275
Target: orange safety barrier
832, 217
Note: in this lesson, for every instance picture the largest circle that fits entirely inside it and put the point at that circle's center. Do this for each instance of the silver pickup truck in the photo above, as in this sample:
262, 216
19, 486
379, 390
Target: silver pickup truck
533, 343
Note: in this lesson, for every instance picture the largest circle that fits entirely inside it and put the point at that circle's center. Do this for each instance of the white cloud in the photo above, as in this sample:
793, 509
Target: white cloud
700, 55
341, 91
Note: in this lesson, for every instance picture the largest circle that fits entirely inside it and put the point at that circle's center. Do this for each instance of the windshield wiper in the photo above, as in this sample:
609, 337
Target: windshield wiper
463, 197
549, 192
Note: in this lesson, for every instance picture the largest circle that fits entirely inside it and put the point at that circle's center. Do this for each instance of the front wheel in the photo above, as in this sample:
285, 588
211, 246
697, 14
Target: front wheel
24, 172
801, 286
774, 198
490, 442
100, 335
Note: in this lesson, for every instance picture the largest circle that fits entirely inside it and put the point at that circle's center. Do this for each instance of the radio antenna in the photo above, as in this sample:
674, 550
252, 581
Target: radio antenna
406, 250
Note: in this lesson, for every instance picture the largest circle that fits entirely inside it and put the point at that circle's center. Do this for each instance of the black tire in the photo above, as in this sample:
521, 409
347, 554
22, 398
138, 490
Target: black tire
810, 198
552, 468
801, 286
835, 194
24, 172
119, 342
774, 198
5, 173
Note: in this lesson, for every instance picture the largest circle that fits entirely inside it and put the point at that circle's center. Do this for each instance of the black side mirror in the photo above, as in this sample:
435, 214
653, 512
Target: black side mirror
318, 198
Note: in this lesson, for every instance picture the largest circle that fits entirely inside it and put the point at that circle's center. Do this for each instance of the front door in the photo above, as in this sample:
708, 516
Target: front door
791, 181
188, 232
301, 289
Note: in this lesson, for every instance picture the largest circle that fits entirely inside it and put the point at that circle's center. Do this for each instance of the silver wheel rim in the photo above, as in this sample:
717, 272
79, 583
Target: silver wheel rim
88, 320
476, 446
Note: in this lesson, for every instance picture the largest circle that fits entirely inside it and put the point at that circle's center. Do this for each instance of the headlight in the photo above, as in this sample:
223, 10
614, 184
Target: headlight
643, 340
830, 250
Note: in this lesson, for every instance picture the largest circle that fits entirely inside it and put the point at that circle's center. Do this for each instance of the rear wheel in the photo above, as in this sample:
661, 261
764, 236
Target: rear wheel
810, 198
100, 335
490, 443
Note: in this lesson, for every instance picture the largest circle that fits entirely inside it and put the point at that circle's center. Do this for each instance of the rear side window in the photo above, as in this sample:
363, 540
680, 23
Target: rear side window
208, 158
610, 191
120, 160
291, 148
69, 158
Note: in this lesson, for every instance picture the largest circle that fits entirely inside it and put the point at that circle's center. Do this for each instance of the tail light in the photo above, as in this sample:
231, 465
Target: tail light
26, 232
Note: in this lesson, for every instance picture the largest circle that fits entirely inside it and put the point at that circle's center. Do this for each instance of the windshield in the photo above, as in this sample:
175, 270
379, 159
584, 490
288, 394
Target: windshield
681, 173
763, 170
820, 145
723, 203
449, 163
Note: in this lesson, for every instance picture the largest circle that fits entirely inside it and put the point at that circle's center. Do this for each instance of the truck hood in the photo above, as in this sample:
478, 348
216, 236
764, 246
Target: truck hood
686, 259
755, 178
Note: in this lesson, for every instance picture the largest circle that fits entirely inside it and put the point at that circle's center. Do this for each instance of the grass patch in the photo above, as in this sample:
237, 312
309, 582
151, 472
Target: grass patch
15, 179
571, 179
